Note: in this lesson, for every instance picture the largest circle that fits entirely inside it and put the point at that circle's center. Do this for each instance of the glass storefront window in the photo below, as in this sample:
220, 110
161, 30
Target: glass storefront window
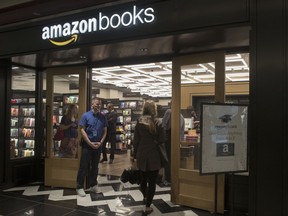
22, 121
189, 123
65, 103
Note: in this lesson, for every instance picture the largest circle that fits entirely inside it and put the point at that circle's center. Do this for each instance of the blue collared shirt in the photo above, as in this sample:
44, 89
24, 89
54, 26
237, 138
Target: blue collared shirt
94, 125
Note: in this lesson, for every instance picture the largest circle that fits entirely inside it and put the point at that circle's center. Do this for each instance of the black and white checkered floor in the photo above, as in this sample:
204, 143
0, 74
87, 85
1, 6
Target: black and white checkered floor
116, 199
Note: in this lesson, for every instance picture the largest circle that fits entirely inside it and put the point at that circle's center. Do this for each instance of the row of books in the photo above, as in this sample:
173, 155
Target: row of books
23, 144
22, 111
22, 132
26, 122
24, 153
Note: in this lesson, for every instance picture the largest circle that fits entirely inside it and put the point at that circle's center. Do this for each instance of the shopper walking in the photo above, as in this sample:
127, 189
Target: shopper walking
148, 134
93, 127
111, 116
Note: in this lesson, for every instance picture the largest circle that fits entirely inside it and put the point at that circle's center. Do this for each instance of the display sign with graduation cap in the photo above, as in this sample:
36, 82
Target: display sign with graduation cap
223, 146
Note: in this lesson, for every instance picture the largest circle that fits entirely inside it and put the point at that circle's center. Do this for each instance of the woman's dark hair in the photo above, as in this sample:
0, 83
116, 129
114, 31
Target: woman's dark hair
150, 109
69, 110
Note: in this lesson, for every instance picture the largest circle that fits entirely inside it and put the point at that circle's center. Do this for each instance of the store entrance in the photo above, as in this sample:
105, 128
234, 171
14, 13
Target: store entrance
188, 186
64, 99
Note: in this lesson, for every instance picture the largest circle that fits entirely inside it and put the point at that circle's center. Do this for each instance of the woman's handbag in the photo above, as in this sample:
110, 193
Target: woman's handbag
134, 176
59, 135
163, 154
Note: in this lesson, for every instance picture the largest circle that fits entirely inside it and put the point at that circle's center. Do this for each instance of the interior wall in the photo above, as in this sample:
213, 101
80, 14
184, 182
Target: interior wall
115, 94
187, 91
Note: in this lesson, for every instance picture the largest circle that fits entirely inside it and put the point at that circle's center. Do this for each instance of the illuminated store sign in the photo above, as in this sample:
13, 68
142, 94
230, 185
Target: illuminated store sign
69, 31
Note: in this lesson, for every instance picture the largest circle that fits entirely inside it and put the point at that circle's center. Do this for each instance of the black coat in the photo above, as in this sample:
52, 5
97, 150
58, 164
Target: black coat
145, 144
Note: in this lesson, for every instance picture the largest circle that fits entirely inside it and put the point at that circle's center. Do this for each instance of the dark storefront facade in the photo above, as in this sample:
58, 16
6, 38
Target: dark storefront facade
171, 28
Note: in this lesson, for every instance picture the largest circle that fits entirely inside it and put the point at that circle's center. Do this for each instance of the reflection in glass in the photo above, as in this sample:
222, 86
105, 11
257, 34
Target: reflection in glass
191, 76
65, 115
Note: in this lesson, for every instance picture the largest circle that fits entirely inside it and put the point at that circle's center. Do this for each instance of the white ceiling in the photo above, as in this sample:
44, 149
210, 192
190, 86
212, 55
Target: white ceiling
153, 79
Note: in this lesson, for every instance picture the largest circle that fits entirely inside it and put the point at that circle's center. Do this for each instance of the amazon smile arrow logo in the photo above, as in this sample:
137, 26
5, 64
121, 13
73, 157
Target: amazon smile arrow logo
63, 43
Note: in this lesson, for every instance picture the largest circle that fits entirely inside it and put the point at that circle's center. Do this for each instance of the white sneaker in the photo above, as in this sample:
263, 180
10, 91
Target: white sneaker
81, 192
95, 189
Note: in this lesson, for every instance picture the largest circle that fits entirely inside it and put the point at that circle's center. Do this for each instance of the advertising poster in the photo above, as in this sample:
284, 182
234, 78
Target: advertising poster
223, 138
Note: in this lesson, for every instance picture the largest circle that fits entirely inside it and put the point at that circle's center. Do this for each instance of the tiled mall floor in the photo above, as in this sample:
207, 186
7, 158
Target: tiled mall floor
116, 199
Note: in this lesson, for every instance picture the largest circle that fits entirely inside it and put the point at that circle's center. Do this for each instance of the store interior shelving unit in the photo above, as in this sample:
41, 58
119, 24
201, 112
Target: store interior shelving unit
22, 128
120, 133
131, 111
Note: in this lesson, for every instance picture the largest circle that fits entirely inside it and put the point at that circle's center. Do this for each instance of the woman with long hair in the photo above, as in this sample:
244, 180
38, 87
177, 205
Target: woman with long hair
69, 123
148, 134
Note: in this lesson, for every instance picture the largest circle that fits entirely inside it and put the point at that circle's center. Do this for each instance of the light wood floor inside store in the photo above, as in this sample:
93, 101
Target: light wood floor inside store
121, 162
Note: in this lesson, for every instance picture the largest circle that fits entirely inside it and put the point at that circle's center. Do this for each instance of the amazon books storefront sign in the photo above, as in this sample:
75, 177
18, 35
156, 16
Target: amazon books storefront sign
67, 33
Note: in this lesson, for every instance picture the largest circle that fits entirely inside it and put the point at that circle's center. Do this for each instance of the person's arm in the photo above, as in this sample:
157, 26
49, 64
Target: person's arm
161, 134
166, 119
114, 117
63, 125
85, 136
182, 127
103, 136
136, 140
104, 132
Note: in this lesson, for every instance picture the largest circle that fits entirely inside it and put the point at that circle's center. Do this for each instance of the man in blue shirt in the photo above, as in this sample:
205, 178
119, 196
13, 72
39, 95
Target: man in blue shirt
93, 127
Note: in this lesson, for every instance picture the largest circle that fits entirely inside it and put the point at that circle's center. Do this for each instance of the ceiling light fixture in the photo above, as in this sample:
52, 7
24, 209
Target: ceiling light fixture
156, 78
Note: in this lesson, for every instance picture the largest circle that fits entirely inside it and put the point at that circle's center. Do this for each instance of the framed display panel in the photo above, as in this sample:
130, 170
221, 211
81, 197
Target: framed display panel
223, 146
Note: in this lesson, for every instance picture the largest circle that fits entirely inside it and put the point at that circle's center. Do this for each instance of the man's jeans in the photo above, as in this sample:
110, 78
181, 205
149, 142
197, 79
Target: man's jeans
89, 161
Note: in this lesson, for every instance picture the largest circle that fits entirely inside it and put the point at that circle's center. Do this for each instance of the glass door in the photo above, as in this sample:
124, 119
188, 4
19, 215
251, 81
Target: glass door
66, 97
188, 186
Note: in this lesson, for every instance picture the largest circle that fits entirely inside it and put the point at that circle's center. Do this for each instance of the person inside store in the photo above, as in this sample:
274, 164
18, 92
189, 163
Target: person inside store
194, 117
111, 116
93, 126
148, 133
166, 122
69, 123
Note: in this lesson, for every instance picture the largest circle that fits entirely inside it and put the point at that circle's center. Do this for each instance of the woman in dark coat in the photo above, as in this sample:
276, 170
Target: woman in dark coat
148, 133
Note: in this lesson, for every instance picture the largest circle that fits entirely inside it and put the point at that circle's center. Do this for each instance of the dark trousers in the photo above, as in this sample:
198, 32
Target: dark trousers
167, 169
148, 185
89, 162
112, 139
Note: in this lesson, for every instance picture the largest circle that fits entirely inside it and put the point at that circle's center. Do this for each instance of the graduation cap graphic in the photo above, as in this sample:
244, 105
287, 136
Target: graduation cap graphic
226, 118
